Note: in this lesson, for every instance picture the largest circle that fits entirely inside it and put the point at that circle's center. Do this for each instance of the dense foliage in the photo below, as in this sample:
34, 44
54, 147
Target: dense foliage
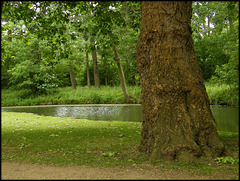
41, 40
216, 40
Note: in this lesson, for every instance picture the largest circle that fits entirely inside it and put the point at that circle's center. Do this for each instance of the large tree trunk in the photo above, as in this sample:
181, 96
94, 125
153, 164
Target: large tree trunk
177, 120
121, 75
95, 65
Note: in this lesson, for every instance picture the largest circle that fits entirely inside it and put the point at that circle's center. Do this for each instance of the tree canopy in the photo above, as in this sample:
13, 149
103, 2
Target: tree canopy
47, 36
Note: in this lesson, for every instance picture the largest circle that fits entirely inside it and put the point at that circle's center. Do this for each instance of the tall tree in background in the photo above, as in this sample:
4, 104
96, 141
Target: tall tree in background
177, 120
95, 64
87, 67
121, 74
106, 18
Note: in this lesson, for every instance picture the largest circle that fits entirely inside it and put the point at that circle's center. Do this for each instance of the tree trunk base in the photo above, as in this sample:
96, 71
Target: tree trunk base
184, 130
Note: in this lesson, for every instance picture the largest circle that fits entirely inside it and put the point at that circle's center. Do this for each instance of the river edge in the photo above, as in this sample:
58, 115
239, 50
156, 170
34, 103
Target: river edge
73, 105
96, 105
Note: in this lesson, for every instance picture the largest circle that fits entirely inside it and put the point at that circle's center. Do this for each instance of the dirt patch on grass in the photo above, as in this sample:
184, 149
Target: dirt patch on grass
16, 170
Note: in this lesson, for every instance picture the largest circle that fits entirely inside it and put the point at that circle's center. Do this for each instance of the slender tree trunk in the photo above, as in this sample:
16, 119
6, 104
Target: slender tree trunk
72, 77
208, 25
8, 59
105, 71
177, 119
88, 74
95, 66
121, 74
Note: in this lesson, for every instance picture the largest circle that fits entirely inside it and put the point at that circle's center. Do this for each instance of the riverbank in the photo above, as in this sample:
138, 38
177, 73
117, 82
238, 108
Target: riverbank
218, 95
67, 95
79, 143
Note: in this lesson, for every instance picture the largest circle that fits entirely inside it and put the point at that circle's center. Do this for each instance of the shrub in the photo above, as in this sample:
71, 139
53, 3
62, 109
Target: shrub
33, 78
222, 94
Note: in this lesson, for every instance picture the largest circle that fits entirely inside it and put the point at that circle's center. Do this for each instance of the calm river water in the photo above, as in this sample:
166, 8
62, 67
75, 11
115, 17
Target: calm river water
227, 118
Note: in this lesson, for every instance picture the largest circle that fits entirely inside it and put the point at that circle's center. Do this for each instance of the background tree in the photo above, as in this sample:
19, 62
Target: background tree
95, 64
105, 22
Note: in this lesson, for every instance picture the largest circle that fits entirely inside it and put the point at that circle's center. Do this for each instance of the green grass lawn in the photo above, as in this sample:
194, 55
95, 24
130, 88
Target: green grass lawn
61, 141
65, 141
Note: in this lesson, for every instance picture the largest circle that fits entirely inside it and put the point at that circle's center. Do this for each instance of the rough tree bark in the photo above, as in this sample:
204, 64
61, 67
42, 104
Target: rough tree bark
177, 120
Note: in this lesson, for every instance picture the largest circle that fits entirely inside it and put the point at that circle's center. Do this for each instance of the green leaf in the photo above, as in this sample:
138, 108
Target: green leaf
109, 154
29, 6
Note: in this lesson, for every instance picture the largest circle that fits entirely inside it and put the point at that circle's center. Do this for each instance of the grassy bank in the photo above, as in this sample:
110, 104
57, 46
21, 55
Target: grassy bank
67, 95
222, 95
65, 141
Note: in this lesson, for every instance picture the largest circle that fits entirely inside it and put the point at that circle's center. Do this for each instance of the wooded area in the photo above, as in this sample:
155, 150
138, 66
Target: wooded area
56, 44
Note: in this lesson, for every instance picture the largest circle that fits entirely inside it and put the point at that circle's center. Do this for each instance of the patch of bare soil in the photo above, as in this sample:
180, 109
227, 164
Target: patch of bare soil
14, 170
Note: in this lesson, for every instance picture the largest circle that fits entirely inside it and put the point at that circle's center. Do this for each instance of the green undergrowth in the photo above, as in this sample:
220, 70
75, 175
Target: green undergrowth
218, 95
222, 94
67, 95
49, 140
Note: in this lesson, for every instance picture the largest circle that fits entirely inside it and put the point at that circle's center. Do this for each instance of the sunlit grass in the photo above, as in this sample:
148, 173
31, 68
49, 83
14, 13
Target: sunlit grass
64, 141
60, 141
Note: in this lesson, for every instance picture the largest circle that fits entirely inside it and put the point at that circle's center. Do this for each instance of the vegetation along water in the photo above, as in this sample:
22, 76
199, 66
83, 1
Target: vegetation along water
218, 95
